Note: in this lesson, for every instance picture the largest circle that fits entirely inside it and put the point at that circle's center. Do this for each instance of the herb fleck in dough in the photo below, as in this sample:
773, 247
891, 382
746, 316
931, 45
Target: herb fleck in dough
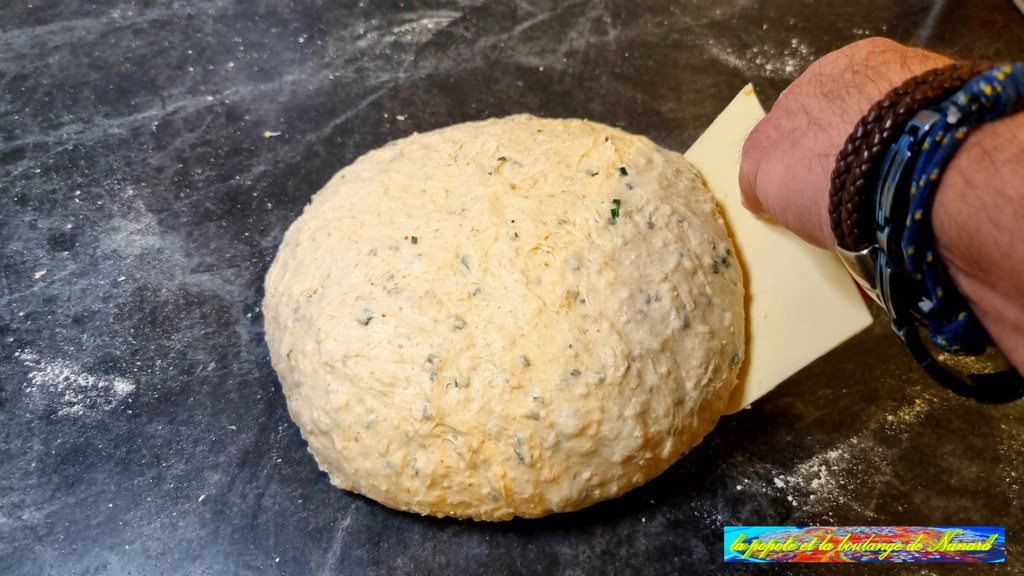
504, 318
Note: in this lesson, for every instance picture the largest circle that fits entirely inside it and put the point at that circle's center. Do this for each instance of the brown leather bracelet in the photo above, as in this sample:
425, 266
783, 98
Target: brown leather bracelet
851, 204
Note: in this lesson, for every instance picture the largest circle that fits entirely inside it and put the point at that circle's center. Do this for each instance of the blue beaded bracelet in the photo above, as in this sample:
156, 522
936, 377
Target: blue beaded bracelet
952, 326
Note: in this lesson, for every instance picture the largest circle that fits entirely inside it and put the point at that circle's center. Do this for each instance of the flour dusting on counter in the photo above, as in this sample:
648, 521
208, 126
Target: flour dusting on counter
72, 390
825, 481
818, 480
783, 61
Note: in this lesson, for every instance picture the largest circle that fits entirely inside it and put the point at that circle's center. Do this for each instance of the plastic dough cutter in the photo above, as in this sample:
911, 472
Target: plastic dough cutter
801, 302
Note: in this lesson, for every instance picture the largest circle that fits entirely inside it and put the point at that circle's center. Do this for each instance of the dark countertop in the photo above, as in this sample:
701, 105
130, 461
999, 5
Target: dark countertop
151, 156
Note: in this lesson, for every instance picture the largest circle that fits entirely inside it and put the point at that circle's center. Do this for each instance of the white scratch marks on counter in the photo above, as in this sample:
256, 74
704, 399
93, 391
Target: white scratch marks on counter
351, 112
416, 30
83, 133
34, 39
69, 388
330, 561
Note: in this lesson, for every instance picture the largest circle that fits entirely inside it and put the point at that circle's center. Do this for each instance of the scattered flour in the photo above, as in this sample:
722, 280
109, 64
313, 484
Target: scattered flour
1011, 463
823, 481
820, 482
782, 62
787, 61
822, 472
72, 390
912, 413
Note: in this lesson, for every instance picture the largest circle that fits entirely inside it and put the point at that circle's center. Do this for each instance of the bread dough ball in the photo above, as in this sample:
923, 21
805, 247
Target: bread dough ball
504, 318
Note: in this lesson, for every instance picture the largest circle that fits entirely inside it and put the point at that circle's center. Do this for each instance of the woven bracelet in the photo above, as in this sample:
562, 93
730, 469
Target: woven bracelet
952, 325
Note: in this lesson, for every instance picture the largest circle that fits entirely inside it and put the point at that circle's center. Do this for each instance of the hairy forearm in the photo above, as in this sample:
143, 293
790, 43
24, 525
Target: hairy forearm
978, 219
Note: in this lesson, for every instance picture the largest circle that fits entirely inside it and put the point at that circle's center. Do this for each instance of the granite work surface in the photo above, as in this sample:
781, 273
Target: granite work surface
153, 153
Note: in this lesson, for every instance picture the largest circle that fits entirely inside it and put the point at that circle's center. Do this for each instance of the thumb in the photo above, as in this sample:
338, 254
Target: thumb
750, 162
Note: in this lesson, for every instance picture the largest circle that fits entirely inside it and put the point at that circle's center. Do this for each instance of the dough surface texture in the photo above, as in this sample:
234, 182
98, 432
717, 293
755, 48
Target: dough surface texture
511, 317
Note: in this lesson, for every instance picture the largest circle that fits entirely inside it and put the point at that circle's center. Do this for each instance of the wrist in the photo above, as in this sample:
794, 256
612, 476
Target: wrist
977, 214
886, 67
890, 239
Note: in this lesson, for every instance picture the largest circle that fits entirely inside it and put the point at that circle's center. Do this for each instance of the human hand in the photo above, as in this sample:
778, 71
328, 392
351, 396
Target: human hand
788, 157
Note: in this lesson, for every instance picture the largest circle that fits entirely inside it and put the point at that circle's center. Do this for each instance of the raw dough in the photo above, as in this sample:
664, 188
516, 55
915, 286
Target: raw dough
462, 327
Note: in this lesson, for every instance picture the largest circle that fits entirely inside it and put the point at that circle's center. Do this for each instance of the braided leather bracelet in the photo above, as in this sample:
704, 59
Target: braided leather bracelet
851, 208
